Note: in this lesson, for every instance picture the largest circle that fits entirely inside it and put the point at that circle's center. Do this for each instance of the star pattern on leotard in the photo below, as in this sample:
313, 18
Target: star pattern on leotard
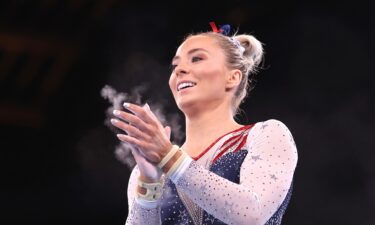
229, 206
183, 216
273, 176
211, 219
264, 125
203, 188
256, 157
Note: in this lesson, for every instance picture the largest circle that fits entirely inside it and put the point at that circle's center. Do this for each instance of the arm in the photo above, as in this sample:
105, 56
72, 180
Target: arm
266, 175
140, 211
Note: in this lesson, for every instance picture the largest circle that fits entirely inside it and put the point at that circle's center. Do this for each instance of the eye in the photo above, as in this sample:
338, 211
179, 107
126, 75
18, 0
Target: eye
196, 59
172, 67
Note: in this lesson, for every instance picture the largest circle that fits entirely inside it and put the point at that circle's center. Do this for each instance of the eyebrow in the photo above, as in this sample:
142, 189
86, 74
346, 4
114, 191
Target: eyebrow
191, 52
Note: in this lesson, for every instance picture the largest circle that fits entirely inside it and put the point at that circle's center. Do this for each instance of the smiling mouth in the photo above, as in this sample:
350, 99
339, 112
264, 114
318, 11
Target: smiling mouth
185, 85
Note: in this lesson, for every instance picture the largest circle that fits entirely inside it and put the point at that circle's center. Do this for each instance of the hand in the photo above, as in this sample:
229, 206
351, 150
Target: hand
149, 173
144, 131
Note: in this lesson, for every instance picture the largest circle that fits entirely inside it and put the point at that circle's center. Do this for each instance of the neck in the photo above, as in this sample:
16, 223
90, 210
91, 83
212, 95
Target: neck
205, 127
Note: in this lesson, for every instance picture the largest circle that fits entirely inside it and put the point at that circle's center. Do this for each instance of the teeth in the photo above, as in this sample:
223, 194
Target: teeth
184, 85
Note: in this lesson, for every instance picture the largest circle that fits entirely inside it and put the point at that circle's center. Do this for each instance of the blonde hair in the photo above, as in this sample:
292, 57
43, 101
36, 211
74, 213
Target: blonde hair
243, 52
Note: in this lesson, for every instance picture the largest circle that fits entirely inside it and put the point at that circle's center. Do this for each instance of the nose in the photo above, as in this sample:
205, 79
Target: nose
181, 69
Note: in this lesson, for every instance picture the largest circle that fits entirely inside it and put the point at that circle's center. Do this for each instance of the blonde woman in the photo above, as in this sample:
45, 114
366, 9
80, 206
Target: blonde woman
225, 172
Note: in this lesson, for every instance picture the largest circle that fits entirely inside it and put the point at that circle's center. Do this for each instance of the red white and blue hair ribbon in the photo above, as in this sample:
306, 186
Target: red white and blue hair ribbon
224, 29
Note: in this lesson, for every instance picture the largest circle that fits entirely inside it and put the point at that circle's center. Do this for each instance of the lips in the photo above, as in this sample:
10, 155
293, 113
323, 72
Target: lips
185, 84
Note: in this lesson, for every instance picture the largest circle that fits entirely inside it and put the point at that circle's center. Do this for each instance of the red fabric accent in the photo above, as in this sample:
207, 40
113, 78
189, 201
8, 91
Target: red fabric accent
238, 137
214, 28
243, 142
213, 143
239, 147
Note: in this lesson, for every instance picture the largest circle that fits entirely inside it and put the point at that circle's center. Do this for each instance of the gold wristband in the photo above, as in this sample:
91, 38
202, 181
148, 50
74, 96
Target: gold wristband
169, 155
176, 164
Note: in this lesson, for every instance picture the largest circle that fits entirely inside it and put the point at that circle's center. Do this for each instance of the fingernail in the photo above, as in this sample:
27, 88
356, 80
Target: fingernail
116, 112
147, 106
126, 105
120, 135
114, 121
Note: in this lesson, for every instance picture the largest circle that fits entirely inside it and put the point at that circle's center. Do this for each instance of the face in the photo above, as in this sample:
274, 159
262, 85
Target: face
199, 73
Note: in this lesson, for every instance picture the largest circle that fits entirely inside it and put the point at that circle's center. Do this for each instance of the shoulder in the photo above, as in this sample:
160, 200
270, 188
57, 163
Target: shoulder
270, 127
270, 123
272, 136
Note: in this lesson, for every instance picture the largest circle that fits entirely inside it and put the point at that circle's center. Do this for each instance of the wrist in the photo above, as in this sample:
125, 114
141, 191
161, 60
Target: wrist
147, 179
150, 191
171, 162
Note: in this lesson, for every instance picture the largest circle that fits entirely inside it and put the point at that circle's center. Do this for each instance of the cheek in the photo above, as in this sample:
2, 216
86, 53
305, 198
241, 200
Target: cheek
214, 77
172, 83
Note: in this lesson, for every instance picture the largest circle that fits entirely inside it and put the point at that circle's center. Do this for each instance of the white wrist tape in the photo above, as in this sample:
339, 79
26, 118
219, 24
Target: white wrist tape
154, 190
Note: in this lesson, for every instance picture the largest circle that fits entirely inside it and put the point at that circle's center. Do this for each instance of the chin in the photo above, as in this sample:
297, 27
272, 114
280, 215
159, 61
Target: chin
185, 105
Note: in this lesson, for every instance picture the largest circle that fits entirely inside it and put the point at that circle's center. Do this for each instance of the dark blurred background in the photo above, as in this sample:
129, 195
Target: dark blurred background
57, 158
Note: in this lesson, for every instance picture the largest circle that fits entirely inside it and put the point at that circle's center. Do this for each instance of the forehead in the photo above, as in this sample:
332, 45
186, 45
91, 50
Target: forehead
199, 41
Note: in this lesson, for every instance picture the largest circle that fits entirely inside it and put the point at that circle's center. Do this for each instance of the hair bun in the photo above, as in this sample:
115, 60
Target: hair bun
253, 48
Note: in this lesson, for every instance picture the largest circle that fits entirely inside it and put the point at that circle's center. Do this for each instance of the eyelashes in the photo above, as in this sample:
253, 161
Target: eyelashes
172, 67
194, 59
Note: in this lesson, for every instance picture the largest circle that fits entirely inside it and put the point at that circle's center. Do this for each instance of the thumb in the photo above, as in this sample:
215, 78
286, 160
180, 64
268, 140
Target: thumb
137, 155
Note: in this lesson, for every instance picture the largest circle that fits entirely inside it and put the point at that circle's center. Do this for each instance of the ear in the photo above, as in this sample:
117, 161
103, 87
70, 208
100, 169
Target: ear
233, 79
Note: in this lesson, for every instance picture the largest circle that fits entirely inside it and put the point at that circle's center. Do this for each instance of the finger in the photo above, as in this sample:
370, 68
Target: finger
129, 129
149, 170
150, 113
132, 119
153, 157
129, 139
168, 131
138, 111
139, 156
153, 116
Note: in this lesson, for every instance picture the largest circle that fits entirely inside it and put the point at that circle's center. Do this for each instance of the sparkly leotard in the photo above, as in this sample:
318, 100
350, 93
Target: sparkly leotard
244, 177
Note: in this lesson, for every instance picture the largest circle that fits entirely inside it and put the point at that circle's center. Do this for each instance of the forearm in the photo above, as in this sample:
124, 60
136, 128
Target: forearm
229, 202
142, 212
